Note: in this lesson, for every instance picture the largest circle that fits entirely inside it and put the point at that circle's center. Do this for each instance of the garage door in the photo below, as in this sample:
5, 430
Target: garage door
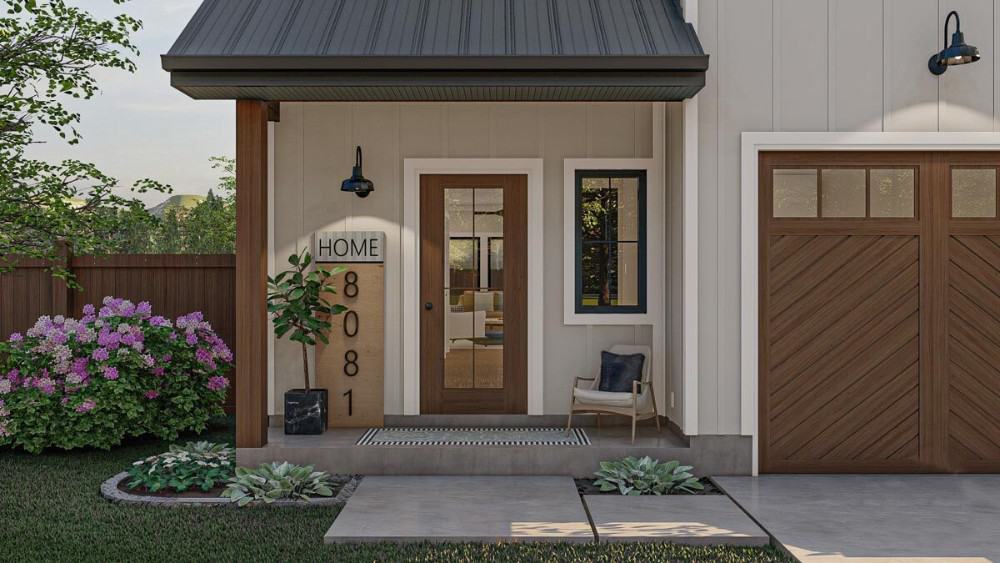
880, 312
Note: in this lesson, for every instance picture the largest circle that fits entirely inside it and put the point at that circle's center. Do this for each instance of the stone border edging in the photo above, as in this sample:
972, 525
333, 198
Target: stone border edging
111, 492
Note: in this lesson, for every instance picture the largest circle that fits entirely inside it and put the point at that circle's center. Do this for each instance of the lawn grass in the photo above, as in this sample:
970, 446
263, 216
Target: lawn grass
50, 510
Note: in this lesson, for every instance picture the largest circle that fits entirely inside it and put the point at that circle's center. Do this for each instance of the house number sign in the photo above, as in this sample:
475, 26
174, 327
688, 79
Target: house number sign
351, 366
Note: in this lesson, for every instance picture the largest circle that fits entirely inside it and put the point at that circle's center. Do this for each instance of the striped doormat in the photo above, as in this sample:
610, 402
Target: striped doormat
419, 436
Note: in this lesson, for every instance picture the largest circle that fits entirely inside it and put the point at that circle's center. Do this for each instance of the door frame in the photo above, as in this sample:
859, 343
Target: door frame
413, 168
752, 143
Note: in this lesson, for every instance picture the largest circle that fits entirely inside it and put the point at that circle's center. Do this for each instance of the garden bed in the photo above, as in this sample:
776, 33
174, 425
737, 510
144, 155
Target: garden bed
586, 486
115, 489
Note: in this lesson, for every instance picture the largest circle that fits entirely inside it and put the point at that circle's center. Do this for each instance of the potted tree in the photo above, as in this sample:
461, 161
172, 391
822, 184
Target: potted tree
296, 300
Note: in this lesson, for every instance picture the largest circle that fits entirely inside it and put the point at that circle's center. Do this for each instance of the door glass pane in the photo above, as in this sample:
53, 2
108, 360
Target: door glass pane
610, 274
795, 192
844, 192
974, 192
892, 192
474, 336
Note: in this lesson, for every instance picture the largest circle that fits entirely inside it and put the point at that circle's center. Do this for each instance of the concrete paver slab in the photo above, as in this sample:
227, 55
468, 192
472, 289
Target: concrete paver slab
918, 518
684, 519
462, 508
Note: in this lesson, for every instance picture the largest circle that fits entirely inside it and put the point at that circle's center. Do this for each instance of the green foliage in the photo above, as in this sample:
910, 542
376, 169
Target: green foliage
196, 464
49, 52
297, 302
646, 476
270, 482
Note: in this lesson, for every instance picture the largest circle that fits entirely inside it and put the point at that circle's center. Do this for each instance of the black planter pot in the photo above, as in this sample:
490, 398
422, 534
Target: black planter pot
305, 412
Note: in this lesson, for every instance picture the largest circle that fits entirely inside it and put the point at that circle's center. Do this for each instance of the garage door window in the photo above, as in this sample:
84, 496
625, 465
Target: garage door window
974, 193
845, 192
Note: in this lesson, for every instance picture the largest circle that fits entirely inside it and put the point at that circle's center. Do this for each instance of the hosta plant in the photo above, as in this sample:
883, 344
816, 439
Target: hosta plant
202, 465
646, 476
118, 371
270, 482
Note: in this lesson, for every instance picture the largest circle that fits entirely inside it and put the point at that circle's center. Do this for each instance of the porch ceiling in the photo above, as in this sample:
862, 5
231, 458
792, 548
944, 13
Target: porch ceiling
438, 50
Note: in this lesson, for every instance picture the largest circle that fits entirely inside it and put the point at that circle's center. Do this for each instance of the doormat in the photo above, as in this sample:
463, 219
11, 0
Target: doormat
419, 436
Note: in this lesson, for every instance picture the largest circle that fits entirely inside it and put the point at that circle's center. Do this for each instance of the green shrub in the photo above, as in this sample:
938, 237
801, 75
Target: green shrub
270, 482
197, 464
646, 476
117, 372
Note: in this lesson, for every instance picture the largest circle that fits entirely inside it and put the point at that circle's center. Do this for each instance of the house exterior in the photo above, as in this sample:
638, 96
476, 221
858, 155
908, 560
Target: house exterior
805, 230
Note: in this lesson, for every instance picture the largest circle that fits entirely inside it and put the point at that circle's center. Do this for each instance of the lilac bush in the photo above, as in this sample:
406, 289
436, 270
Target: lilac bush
117, 372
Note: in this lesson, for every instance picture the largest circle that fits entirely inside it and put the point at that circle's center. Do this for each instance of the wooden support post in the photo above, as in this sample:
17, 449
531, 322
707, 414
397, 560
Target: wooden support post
251, 274
61, 297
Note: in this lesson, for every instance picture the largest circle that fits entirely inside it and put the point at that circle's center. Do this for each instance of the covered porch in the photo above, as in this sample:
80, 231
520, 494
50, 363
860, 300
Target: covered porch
538, 91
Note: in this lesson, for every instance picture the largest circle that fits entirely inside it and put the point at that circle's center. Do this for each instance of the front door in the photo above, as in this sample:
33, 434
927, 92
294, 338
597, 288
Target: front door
473, 293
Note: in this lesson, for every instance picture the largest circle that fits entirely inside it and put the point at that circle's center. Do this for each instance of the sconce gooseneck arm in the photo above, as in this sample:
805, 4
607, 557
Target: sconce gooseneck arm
958, 26
357, 157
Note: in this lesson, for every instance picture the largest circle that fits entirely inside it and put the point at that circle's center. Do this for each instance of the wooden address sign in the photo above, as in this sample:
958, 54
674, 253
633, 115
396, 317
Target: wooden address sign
351, 367
350, 247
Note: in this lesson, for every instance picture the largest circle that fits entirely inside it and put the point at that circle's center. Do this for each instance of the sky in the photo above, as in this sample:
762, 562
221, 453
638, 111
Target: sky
140, 127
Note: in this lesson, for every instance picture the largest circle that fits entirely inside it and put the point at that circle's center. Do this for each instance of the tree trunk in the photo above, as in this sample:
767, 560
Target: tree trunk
305, 364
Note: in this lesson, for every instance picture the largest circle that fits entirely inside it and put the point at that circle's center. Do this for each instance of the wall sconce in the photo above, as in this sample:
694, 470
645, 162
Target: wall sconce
957, 54
357, 183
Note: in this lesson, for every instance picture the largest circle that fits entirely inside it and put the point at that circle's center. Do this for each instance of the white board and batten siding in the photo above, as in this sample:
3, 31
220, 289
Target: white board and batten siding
813, 65
314, 150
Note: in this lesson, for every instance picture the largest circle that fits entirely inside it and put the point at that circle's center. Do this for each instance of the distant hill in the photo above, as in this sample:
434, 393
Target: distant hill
179, 201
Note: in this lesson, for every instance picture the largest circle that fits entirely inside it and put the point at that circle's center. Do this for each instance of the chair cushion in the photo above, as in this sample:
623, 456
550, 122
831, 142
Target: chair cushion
602, 398
618, 371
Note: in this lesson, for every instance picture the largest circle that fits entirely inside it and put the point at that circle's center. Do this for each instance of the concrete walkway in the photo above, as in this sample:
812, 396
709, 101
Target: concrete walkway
466, 508
921, 518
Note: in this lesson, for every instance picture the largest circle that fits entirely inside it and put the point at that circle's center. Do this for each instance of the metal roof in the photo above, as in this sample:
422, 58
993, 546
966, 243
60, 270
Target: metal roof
438, 49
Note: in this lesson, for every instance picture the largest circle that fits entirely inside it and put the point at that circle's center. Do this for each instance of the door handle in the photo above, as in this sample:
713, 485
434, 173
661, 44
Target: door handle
428, 305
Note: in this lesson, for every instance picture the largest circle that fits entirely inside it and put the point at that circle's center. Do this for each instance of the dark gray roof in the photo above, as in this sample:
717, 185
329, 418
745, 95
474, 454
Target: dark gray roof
234, 48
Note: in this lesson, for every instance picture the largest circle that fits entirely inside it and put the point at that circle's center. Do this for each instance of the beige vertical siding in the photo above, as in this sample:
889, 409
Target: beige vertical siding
314, 150
813, 65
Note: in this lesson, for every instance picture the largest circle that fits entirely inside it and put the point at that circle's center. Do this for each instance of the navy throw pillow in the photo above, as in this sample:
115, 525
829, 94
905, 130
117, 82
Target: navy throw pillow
618, 371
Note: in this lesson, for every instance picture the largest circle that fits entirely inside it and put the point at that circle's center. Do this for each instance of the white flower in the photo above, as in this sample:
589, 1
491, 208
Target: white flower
140, 462
4, 386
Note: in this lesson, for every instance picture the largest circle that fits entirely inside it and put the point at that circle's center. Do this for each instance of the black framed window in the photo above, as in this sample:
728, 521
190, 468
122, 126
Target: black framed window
610, 241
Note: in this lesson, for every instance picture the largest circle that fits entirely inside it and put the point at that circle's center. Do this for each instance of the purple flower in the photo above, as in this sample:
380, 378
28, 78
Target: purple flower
159, 321
151, 394
110, 373
148, 360
191, 339
100, 354
88, 310
159, 372
167, 358
16, 337
144, 309
203, 355
86, 406
45, 385
217, 383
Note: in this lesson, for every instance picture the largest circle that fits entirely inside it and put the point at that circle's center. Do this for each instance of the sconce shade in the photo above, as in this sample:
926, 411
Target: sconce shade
357, 183
958, 53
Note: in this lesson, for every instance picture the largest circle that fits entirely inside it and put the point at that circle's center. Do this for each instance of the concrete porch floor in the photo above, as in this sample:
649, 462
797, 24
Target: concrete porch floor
336, 451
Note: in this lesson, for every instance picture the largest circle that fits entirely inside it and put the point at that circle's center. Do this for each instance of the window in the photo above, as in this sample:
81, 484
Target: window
843, 192
610, 237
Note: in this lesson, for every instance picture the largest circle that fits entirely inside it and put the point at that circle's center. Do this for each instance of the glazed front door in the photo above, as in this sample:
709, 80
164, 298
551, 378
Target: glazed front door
473, 275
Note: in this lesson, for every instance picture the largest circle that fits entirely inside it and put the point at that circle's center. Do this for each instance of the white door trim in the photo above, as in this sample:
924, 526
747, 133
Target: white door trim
413, 168
752, 145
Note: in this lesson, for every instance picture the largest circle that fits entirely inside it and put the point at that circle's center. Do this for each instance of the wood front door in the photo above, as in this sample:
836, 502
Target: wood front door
880, 312
473, 293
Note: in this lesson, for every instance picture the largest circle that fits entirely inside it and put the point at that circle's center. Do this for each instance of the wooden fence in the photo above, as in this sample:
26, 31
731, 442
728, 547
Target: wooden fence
175, 284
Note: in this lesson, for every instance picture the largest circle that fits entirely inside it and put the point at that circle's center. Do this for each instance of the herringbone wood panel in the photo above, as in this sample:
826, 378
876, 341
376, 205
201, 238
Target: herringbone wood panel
843, 350
974, 352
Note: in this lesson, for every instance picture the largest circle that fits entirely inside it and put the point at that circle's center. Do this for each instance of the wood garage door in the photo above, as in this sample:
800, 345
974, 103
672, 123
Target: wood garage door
880, 312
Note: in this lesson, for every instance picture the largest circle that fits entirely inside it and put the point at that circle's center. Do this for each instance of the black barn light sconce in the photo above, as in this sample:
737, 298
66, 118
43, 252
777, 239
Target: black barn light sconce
957, 54
357, 183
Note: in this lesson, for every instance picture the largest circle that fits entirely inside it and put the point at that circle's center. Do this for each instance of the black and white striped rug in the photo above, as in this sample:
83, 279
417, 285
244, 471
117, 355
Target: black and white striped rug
503, 436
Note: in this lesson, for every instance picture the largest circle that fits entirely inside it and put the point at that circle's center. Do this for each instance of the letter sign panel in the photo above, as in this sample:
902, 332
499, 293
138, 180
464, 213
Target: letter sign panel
350, 247
351, 367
